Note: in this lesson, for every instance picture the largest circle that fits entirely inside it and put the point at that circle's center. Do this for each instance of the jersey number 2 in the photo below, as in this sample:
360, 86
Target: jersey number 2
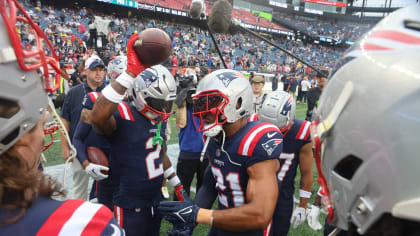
235, 187
152, 171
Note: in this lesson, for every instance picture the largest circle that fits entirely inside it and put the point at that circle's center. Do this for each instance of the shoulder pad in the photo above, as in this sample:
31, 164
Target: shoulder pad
254, 135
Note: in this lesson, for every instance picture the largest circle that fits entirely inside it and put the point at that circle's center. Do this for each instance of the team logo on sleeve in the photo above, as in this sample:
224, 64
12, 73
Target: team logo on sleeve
271, 145
227, 77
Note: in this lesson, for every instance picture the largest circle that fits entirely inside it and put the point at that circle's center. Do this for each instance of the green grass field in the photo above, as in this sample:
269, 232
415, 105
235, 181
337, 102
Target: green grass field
53, 155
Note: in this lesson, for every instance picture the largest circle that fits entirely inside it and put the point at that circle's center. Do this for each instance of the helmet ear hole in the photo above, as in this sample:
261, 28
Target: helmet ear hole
239, 103
348, 166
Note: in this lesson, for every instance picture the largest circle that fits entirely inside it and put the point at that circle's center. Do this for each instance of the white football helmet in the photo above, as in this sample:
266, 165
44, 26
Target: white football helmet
153, 93
23, 95
366, 135
219, 93
278, 108
116, 66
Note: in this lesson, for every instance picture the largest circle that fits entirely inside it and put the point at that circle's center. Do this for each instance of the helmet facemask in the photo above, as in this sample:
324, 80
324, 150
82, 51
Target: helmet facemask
213, 103
34, 58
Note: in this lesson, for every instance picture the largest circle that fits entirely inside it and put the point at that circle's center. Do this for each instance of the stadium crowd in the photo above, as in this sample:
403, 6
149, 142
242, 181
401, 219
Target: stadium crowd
70, 31
337, 30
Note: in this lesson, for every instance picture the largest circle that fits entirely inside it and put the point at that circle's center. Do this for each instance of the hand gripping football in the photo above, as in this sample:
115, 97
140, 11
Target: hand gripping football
153, 46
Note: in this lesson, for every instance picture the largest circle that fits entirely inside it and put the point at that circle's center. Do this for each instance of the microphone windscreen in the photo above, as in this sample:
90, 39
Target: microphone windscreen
220, 16
196, 8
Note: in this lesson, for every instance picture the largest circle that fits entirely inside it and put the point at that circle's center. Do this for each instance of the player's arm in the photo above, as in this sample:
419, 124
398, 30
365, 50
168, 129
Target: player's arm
82, 130
306, 175
262, 193
170, 175
64, 145
181, 116
114, 93
207, 193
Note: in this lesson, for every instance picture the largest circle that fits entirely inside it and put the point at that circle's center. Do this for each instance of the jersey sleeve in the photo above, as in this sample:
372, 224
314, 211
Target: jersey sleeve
89, 100
304, 133
263, 142
77, 217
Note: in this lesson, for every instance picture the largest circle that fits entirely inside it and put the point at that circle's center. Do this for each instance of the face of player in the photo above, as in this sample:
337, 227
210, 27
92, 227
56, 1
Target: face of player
257, 88
95, 77
30, 145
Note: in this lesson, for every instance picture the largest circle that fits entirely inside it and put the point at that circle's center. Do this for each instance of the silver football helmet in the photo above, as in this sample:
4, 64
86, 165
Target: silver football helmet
116, 67
278, 108
153, 93
219, 93
366, 135
23, 95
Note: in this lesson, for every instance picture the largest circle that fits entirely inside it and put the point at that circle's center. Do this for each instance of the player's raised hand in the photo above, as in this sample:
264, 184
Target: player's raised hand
313, 218
179, 212
298, 217
134, 65
95, 171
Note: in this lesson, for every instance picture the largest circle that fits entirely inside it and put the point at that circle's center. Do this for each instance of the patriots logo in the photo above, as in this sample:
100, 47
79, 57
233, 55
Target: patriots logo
287, 107
271, 145
227, 77
149, 77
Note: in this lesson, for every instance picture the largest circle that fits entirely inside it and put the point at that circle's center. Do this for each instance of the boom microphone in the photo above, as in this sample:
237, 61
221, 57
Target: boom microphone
197, 9
219, 21
220, 17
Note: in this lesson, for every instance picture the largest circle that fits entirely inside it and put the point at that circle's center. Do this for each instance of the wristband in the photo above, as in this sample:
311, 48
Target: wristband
211, 219
112, 95
168, 172
125, 80
304, 194
174, 181
319, 192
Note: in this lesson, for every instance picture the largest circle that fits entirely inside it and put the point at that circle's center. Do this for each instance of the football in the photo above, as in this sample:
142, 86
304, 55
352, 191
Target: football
97, 156
153, 46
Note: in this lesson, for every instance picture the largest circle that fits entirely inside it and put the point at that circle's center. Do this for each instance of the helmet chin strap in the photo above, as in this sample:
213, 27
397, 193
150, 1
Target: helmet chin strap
209, 134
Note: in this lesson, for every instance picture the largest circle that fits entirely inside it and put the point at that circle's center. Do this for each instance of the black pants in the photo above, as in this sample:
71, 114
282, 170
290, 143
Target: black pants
185, 169
304, 96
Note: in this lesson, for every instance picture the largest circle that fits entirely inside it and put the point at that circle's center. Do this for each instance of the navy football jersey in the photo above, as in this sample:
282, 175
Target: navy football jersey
254, 143
92, 138
297, 136
72, 217
141, 167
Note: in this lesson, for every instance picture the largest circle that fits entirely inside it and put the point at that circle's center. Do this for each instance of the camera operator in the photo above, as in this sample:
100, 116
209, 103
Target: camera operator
190, 140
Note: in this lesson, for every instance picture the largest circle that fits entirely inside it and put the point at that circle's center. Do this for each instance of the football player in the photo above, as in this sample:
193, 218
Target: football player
279, 109
26, 206
243, 158
136, 133
366, 132
84, 137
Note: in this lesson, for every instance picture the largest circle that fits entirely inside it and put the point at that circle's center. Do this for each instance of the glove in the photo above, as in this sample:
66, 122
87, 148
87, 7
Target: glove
179, 212
134, 64
313, 220
94, 171
181, 230
298, 217
180, 193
